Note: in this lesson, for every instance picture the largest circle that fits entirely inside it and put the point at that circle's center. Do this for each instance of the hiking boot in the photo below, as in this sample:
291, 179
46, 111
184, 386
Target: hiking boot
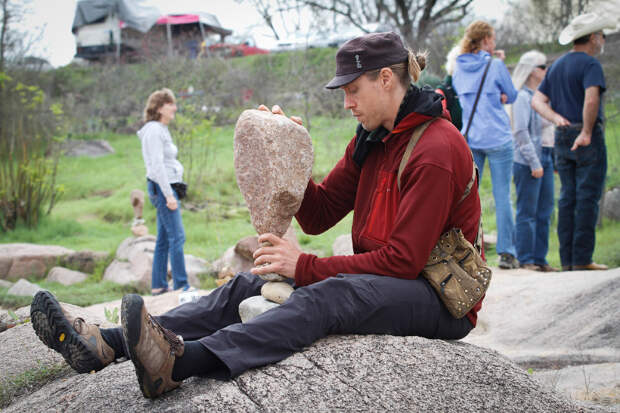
508, 261
79, 343
546, 268
152, 348
591, 267
530, 267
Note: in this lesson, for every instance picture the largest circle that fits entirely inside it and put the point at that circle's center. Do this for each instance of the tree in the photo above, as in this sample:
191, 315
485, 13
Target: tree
416, 20
14, 44
539, 21
28, 124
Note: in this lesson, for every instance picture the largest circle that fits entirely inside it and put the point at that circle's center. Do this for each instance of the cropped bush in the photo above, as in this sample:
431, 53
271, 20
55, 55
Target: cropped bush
29, 153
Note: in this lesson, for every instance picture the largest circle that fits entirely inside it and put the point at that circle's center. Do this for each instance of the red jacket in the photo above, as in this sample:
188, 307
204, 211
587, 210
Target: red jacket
393, 233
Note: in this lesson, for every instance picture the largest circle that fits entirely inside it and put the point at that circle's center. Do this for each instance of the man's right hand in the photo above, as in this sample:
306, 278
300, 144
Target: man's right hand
582, 140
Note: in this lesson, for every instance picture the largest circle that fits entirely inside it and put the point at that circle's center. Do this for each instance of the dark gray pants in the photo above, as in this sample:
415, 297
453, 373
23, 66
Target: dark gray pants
346, 304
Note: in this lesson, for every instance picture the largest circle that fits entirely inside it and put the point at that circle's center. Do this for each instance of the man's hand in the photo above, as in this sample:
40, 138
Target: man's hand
538, 173
171, 202
582, 140
504, 98
281, 257
277, 110
559, 120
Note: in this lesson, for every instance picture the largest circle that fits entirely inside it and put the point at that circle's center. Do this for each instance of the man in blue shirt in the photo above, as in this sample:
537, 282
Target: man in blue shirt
570, 97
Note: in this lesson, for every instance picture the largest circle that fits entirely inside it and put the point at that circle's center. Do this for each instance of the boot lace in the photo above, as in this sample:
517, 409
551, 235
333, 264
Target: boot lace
175, 342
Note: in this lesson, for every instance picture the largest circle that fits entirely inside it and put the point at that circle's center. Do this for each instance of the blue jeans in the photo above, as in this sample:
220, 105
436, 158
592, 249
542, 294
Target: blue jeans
500, 162
582, 175
170, 240
534, 208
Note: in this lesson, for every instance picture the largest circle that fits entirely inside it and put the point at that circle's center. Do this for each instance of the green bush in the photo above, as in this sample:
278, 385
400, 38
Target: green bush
29, 153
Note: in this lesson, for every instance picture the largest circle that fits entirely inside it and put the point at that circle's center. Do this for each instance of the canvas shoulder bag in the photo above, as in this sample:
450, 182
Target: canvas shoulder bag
455, 267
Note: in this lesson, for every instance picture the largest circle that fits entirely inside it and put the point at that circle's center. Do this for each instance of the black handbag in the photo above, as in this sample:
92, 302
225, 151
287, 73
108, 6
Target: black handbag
180, 188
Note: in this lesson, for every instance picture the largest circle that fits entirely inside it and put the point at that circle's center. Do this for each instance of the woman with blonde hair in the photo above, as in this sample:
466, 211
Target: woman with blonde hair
483, 85
164, 175
533, 167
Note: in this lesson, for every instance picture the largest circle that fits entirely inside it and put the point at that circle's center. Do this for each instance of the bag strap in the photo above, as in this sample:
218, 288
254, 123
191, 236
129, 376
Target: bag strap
473, 109
415, 137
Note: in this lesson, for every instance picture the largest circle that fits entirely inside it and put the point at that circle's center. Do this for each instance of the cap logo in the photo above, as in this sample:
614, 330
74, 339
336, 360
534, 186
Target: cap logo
357, 61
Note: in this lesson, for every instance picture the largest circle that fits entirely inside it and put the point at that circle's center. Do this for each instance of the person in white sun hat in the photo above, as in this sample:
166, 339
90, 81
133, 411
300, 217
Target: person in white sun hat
532, 167
570, 96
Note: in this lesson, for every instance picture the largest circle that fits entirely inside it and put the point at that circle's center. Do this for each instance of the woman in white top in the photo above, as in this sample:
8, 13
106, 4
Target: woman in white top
533, 166
163, 171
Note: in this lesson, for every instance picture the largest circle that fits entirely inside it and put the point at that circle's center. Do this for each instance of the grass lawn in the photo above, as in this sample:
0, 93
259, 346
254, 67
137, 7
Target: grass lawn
95, 212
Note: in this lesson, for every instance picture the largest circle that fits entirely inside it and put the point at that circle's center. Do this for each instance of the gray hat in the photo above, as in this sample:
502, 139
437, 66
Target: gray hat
368, 52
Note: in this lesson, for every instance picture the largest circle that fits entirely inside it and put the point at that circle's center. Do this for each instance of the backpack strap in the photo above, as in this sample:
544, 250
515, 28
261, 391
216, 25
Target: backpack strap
473, 109
415, 137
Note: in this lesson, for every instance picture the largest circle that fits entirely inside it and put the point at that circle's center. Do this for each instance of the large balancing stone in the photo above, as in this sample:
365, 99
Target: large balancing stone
273, 164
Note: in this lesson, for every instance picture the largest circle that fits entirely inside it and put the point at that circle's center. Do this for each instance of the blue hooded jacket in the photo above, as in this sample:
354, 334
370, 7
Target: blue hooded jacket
491, 125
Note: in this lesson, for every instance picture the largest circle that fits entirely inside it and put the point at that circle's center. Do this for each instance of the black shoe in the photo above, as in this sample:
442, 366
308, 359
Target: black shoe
79, 343
508, 261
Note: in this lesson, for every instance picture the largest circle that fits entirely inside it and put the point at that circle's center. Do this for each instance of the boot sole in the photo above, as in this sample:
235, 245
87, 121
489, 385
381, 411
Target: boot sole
131, 318
55, 331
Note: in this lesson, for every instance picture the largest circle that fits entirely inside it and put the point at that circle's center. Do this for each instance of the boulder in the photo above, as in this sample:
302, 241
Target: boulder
24, 288
339, 373
133, 264
273, 159
84, 261
545, 320
19, 316
233, 262
5, 284
65, 276
245, 247
611, 204
597, 383
25, 260
343, 245
93, 148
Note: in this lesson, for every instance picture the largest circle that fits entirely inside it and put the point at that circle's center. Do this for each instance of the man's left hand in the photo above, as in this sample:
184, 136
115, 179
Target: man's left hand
281, 257
582, 140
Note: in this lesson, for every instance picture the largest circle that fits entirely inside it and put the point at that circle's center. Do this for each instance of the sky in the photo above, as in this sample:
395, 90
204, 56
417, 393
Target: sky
53, 19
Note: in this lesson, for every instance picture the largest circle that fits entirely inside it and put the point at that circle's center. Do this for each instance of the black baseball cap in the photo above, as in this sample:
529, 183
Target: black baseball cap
368, 52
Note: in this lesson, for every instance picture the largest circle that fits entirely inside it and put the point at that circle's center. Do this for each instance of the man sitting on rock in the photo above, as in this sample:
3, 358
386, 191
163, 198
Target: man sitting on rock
377, 290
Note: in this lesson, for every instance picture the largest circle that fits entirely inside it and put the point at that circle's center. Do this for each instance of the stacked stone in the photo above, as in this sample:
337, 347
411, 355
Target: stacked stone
273, 164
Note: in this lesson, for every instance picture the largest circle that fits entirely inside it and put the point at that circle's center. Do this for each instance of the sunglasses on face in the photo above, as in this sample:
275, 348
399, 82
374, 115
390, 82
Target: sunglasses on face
543, 67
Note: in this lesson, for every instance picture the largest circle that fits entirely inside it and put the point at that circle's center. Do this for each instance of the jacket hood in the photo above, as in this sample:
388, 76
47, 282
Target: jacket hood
470, 62
147, 126
417, 106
